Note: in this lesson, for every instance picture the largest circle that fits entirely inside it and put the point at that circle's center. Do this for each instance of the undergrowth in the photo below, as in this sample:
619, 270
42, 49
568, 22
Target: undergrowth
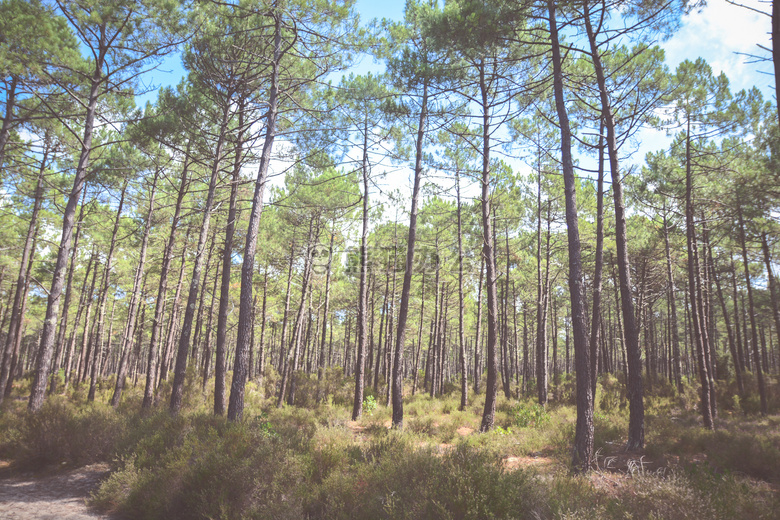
313, 462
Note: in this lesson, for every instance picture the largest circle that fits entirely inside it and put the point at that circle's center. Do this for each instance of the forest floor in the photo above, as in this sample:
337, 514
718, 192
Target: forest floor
78, 460
59, 496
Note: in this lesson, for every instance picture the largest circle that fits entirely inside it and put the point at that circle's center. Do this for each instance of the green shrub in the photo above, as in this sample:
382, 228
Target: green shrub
529, 415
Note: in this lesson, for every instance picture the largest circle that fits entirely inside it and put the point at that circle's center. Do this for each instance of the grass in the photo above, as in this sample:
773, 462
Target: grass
313, 462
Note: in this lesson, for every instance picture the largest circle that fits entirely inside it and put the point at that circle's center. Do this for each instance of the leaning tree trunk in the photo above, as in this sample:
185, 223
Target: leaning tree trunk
177, 391
98, 348
636, 420
132, 312
45, 350
240, 368
227, 262
162, 289
62, 331
583, 436
403, 310
80, 309
21, 281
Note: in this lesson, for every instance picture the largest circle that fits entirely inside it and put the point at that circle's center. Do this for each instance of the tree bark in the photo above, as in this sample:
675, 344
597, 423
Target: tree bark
236, 404
162, 289
491, 385
583, 437
752, 314
98, 348
45, 350
636, 421
22, 281
132, 312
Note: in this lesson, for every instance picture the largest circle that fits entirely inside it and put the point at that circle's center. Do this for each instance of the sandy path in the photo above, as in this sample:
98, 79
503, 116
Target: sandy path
56, 497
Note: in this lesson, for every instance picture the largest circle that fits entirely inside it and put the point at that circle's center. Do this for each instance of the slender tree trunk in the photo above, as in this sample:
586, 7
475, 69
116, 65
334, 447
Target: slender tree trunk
597, 276
177, 391
541, 304
403, 311
162, 289
38, 388
362, 325
730, 331
636, 421
207, 353
98, 349
464, 387
505, 376
698, 340
227, 263
18, 333
583, 437
298, 331
325, 311
773, 289
22, 281
491, 386
62, 330
752, 315
173, 321
673, 305
478, 337
79, 311
236, 404
127, 339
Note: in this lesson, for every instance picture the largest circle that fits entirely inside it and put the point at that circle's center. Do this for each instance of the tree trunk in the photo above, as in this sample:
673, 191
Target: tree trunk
752, 315
298, 332
325, 311
491, 385
162, 289
636, 421
698, 339
98, 349
236, 404
227, 263
177, 391
362, 325
478, 335
22, 281
583, 437
597, 275
45, 350
132, 312
773, 289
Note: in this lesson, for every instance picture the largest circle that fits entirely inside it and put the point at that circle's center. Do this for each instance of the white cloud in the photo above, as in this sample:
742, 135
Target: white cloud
718, 33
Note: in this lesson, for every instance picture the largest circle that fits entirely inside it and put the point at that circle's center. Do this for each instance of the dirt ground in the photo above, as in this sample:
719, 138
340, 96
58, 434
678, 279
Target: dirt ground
60, 496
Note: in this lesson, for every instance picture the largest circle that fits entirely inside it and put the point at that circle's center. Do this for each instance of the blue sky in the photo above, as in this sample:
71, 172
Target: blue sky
722, 33
716, 33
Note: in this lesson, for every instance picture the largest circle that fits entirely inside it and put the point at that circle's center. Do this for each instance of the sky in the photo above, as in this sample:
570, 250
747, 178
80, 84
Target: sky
722, 33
